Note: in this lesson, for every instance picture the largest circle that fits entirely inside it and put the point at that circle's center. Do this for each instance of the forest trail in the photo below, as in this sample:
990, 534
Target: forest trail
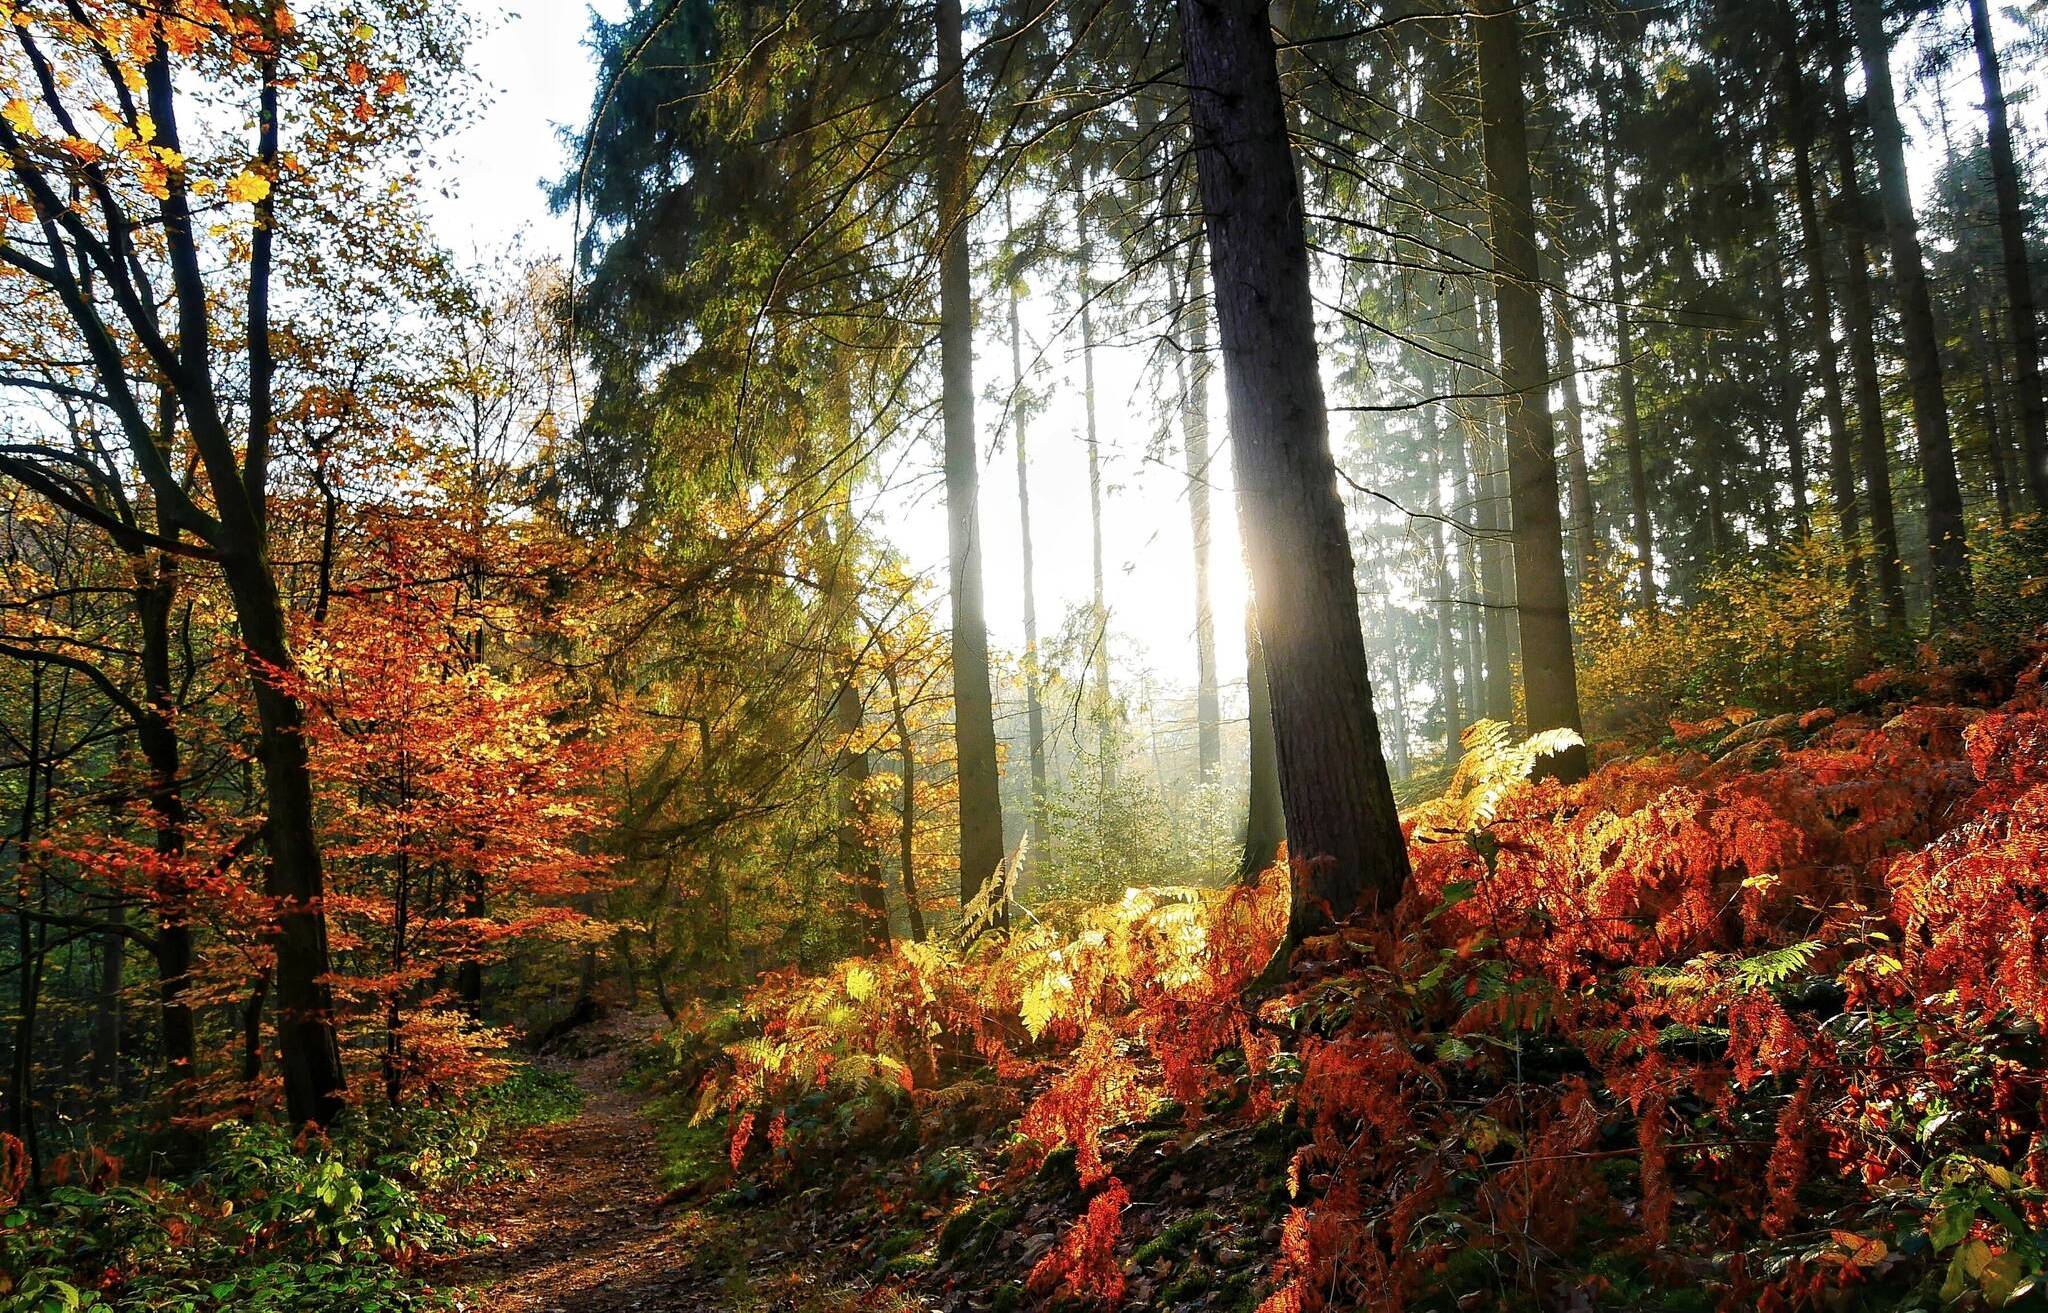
583, 1229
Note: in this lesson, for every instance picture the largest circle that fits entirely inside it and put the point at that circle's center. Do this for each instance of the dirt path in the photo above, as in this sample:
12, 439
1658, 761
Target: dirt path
581, 1232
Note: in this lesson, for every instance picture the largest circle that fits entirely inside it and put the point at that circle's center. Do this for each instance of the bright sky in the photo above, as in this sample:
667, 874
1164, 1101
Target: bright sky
540, 77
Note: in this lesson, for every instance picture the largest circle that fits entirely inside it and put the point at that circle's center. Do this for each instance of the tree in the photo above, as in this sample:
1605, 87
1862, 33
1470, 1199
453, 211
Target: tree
1339, 803
1549, 676
981, 805
2022, 315
1947, 548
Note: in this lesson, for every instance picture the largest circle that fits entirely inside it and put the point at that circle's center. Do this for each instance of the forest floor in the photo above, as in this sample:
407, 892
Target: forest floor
585, 1226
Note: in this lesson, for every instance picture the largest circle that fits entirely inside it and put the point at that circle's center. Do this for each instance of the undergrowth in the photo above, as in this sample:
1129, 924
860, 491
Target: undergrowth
1751, 1021
265, 1221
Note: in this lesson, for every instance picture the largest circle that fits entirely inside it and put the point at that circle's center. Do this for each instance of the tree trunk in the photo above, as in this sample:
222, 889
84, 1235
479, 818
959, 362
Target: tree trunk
1265, 819
1107, 740
906, 834
1034, 707
1549, 677
1948, 550
156, 733
1787, 383
2019, 282
1841, 454
1195, 438
1585, 534
1440, 569
974, 728
857, 858
1496, 589
1625, 385
1341, 821
1859, 312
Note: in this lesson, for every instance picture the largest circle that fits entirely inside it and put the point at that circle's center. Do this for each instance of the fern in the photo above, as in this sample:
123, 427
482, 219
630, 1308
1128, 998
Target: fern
1492, 766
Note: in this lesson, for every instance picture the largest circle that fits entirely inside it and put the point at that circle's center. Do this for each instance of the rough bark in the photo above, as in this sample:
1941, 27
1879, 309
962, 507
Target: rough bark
1265, 819
1549, 675
1338, 800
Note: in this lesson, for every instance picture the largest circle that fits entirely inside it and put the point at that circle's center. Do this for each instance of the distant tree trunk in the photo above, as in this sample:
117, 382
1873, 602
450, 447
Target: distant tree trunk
1860, 315
1787, 382
1107, 742
1947, 547
1446, 639
1465, 502
1496, 586
857, 857
1339, 802
1625, 385
1549, 675
974, 727
2019, 282
1989, 371
1195, 438
156, 734
1585, 535
106, 1031
1265, 818
1034, 708
906, 849
1841, 454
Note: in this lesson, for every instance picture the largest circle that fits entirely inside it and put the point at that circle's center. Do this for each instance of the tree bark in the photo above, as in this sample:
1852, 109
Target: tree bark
1549, 675
2022, 311
1859, 313
1339, 803
974, 729
1948, 550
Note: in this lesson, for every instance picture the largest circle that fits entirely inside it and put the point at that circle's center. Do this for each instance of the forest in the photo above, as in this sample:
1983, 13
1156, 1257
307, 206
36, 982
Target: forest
1249, 655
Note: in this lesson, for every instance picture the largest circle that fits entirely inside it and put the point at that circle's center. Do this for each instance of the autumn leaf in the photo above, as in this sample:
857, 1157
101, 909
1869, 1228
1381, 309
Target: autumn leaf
247, 187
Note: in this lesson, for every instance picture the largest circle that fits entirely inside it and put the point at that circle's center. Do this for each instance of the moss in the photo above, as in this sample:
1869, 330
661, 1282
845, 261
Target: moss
1006, 1299
899, 1242
1175, 1238
1058, 1169
968, 1233
692, 1156
904, 1265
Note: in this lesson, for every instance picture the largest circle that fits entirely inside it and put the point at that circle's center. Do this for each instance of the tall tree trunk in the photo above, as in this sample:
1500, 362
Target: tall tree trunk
1446, 640
156, 589
1549, 676
1948, 550
1994, 376
1820, 306
1464, 510
2019, 282
1496, 586
1265, 818
1034, 707
1860, 315
1195, 439
974, 727
1585, 534
1338, 800
1787, 383
1107, 739
1625, 384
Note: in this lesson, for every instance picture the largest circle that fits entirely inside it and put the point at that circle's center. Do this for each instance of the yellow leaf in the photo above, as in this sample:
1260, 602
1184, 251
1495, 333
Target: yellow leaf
19, 117
248, 187
1860, 1251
